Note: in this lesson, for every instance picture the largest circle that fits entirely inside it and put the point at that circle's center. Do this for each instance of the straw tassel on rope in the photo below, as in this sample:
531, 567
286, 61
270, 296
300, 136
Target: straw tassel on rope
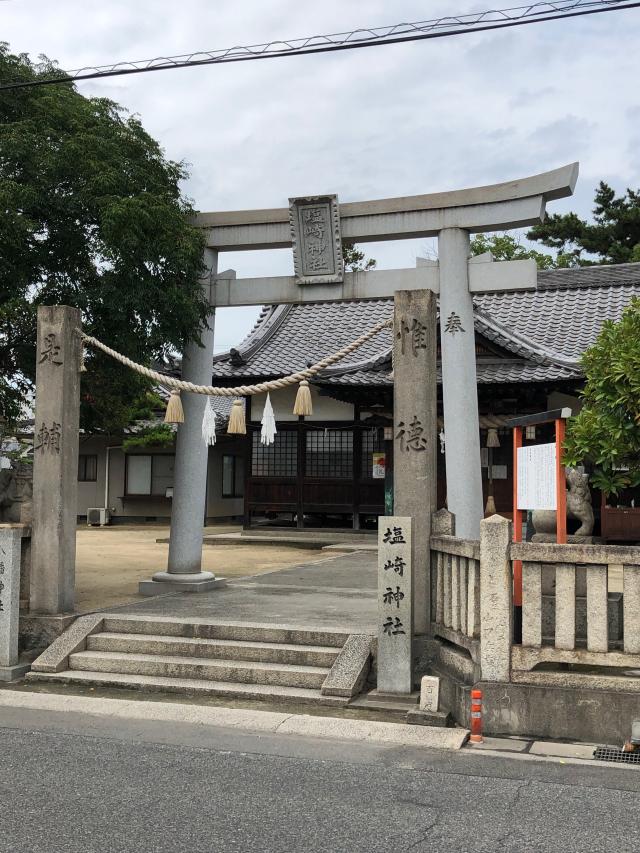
303, 404
237, 423
175, 412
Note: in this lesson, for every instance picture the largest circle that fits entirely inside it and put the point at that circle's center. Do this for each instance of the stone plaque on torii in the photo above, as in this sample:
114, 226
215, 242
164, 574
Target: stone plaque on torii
452, 217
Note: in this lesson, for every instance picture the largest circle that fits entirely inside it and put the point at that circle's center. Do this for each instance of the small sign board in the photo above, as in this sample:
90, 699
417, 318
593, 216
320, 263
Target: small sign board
537, 477
395, 610
379, 465
316, 240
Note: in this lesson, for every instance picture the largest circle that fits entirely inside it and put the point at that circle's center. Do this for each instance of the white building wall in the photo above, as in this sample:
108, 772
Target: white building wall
282, 400
140, 508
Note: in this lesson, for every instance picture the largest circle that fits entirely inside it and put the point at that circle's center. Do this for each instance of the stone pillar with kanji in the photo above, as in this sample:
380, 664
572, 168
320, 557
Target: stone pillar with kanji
55, 459
416, 432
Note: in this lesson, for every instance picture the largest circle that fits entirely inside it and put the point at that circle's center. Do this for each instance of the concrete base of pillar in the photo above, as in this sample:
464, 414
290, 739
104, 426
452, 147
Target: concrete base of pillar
442, 719
39, 630
164, 582
15, 672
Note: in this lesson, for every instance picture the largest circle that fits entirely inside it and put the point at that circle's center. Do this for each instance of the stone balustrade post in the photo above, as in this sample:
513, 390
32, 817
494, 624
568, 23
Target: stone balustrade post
496, 599
10, 559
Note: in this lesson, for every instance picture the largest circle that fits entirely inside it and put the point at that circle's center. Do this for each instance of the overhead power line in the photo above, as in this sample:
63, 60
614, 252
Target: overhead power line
451, 25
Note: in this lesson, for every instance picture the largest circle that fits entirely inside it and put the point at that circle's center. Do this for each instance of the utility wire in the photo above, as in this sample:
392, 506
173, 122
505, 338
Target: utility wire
451, 25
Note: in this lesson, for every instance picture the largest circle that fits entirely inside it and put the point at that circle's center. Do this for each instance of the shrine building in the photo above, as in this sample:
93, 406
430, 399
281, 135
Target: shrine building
328, 469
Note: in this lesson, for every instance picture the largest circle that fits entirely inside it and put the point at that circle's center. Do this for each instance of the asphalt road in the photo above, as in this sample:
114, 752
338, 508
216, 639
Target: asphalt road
72, 783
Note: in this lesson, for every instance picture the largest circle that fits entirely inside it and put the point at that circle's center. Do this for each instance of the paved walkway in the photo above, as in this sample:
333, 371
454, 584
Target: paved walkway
110, 561
337, 591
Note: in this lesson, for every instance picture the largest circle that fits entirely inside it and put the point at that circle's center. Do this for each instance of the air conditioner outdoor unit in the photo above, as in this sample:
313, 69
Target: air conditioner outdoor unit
98, 516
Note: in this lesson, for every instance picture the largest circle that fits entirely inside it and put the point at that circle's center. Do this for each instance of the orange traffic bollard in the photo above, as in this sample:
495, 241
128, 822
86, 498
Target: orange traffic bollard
476, 716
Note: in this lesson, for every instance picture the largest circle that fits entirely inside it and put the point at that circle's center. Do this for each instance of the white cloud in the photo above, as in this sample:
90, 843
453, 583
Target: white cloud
370, 123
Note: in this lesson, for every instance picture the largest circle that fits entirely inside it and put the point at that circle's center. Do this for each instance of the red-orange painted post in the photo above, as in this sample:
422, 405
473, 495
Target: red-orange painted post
561, 487
476, 717
517, 519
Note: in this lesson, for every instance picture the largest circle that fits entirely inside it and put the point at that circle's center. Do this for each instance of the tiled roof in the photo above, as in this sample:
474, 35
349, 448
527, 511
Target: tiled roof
543, 331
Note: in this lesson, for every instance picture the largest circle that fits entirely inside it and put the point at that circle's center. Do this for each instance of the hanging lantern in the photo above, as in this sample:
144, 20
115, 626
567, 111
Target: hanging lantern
492, 438
267, 436
530, 432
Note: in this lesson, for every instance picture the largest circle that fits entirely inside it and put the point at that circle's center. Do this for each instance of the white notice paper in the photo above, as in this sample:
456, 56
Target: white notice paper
537, 477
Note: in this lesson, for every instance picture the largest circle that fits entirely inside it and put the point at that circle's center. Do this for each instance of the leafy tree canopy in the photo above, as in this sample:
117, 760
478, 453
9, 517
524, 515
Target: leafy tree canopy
91, 215
355, 260
507, 247
605, 435
612, 238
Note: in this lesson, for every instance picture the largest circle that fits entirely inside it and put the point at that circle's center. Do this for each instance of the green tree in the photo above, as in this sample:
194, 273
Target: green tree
605, 435
355, 260
506, 247
91, 215
613, 237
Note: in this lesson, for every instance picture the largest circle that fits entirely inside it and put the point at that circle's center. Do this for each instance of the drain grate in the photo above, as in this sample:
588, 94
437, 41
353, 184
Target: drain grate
614, 753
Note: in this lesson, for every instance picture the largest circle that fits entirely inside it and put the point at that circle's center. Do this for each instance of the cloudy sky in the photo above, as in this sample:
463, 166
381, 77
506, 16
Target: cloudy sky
374, 123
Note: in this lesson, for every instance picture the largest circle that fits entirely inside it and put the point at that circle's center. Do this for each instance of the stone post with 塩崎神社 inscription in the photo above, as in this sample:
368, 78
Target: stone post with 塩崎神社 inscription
415, 432
395, 604
55, 460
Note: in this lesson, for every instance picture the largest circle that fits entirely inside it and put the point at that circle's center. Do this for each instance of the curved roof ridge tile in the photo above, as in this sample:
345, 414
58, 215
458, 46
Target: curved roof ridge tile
270, 319
521, 344
366, 364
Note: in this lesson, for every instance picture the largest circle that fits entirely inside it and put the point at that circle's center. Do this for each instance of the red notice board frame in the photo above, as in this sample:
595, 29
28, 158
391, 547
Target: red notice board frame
559, 417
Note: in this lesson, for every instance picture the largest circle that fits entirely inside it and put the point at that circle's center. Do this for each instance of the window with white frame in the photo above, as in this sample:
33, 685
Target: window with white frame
149, 474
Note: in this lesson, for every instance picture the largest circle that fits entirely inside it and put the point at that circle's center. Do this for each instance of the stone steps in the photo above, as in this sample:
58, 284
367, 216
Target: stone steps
241, 631
233, 659
173, 666
195, 647
194, 687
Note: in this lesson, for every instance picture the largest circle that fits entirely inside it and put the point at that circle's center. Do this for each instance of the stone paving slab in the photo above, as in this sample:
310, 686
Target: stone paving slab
392, 734
339, 592
501, 744
563, 750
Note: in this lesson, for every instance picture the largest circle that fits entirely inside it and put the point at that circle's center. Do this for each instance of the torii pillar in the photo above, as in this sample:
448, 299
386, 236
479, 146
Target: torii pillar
459, 384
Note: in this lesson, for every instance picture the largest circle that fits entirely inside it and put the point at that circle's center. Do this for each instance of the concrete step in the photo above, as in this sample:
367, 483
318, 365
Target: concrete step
239, 631
169, 666
195, 687
157, 644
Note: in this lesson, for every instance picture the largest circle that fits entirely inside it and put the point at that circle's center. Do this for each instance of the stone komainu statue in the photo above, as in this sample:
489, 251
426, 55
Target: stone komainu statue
16, 491
578, 507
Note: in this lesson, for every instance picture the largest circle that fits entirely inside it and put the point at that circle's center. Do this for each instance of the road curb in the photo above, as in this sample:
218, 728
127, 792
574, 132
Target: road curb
301, 725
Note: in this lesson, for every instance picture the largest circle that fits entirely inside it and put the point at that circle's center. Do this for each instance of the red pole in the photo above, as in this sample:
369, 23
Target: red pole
476, 717
561, 487
517, 519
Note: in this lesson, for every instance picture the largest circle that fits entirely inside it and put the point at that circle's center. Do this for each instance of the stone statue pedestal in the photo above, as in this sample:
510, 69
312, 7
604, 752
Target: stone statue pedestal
572, 539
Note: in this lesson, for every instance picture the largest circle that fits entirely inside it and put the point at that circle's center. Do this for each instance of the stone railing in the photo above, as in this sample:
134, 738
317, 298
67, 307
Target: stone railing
568, 614
455, 572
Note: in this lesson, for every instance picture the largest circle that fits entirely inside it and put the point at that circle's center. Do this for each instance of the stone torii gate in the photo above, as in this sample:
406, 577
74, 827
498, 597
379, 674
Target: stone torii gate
314, 228
452, 217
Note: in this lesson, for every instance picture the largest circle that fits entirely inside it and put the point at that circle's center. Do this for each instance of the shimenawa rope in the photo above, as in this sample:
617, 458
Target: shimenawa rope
240, 390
